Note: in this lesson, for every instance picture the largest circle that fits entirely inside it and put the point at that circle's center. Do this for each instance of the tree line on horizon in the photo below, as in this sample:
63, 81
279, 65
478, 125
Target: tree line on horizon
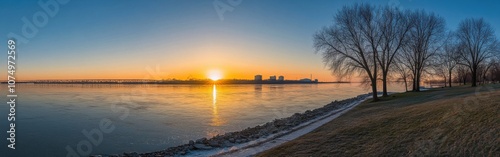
381, 43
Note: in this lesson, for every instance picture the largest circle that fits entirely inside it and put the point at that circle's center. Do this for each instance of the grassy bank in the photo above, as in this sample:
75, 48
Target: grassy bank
458, 121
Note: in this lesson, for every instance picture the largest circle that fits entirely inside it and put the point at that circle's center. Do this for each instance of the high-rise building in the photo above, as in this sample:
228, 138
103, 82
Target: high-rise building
281, 78
258, 77
272, 78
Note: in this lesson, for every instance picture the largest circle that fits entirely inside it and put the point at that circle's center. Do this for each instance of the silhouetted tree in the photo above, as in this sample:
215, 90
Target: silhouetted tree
393, 26
439, 69
351, 44
424, 40
479, 44
462, 74
495, 71
449, 56
403, 72
484, 70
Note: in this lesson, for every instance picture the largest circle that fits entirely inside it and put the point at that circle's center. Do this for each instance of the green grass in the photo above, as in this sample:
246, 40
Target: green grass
458, 121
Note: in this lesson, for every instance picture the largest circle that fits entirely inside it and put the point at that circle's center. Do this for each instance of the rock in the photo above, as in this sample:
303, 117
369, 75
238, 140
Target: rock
131, 154
238, 141
256, 136
213, 143
191, 142
231, 140
202, 147
274, 131
169, 154
227, 143
201, 140
183, 152
244, 140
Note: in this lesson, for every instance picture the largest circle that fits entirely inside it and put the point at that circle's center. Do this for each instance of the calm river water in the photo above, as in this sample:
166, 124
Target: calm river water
54, 119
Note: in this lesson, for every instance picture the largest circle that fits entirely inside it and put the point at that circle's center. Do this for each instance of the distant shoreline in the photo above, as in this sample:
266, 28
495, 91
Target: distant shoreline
196, 82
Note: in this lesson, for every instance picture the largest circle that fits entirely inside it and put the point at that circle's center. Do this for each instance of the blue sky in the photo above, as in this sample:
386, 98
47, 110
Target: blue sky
121, 39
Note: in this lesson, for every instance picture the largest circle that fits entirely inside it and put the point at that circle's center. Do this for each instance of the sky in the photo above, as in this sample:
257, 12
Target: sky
183, 39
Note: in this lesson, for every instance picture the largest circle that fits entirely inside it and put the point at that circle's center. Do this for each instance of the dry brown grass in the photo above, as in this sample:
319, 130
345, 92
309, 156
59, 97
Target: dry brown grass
459, 121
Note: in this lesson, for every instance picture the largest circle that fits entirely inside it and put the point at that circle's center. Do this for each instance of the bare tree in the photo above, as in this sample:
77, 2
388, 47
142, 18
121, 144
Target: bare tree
439, 69
484, 69
424, 40
393, 25
449, 56
462, 74
479, 44
350, 44
403, 72
495, 71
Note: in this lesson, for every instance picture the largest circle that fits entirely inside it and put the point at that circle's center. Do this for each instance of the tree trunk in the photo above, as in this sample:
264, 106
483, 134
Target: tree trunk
445, 83
406, 85
474, 78
384, 84
374, 89
415, 85
414, 88
449, 78
374, 79
418, 82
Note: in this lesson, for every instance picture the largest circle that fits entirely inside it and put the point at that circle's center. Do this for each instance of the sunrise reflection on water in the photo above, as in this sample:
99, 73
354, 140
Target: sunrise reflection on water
216, 119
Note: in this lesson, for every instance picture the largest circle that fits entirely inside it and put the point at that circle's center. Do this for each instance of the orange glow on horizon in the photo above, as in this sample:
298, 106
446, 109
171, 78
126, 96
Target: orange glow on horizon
214, 74
184, 74
216, 71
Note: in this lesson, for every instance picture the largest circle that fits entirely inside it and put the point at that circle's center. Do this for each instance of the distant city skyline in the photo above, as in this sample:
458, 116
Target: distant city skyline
188, 39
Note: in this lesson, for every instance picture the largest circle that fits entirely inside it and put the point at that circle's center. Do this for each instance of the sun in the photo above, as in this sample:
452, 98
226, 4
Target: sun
214, 74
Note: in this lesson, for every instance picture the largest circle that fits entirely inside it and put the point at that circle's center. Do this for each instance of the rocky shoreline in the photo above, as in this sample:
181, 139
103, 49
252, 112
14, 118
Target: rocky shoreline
252, 133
